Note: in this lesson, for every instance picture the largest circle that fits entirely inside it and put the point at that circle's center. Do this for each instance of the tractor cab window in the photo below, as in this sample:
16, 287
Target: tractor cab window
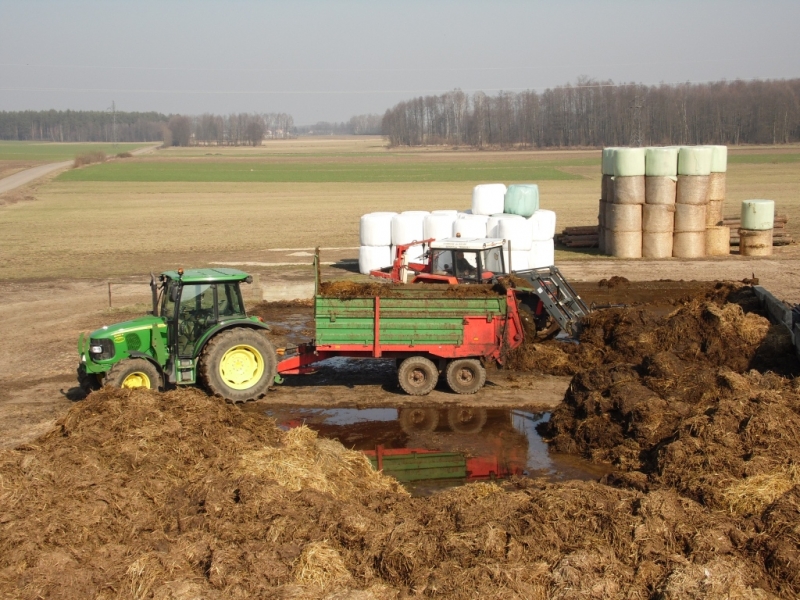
229, 302
466, 265
492, 260
195, 314
168, 300
442, 262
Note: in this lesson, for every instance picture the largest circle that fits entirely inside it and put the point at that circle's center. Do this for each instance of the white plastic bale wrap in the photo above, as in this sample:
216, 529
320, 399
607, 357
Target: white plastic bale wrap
661, 162
660, 190
694, 160
719, 159
470, 226
438, 226
517, 231
629, 162
518, 260
521, 199
542, 254
371, 258
658, 218
488, 198
758, 214
543, 225
717, 184
689, 244
420, 213
407, 228
623, 217
656, 244
624, 244
718, 241
629, 190
375, 229
445, 212
690, 217
607, 161
692, 189
494, 220
713, 213
755, 242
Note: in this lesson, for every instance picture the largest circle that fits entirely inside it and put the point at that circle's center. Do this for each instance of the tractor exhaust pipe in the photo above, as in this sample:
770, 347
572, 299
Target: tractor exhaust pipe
154, 292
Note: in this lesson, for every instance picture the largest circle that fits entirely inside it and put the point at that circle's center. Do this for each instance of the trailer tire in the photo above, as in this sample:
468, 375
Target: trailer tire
133, 373
463, 419
417, 376
238, 365
465, 375
418, 419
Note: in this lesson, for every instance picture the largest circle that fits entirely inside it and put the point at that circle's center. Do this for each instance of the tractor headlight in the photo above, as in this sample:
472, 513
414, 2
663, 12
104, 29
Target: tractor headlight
96, 349
101, 349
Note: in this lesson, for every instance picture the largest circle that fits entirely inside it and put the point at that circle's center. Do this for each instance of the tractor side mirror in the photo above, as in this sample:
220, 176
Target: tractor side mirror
173, 293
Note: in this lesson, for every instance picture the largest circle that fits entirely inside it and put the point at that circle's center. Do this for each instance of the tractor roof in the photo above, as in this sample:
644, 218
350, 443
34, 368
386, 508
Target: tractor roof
208, 275
457, 243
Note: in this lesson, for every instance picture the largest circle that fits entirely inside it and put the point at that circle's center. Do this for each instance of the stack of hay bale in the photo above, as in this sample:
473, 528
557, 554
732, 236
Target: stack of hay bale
625, 197
375, 233
658, 213
718, 236
755, 235
691, 202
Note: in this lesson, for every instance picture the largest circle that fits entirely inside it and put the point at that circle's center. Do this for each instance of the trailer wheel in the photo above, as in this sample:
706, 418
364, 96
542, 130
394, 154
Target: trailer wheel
238, 364
466, 420
418, 419
417, 376
133, 373
465, 375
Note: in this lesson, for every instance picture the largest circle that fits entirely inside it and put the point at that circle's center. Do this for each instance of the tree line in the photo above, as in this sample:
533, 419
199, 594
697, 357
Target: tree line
592, 113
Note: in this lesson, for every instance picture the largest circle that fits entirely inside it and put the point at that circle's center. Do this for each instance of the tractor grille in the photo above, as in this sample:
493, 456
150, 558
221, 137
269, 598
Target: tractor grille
105, 346
133, 341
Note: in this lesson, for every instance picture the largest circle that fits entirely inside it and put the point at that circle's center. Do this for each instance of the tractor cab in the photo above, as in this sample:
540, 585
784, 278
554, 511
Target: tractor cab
463, 260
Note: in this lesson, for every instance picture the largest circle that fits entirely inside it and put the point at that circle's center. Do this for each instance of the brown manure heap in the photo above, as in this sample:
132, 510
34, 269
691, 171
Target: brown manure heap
348, 290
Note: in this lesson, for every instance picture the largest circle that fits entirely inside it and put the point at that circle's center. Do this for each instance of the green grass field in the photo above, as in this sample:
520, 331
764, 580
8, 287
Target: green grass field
57, 152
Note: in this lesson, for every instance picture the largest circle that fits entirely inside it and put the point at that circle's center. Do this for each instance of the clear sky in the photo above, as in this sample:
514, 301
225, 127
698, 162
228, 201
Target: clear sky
324, 60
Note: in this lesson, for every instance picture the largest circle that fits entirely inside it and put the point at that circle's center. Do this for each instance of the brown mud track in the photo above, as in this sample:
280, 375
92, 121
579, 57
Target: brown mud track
137, 494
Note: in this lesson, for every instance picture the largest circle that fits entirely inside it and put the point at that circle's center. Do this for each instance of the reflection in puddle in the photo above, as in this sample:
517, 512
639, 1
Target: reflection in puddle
429, 448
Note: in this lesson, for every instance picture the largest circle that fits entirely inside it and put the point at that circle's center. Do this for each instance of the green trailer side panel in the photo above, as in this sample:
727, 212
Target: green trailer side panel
414, 318
421, 467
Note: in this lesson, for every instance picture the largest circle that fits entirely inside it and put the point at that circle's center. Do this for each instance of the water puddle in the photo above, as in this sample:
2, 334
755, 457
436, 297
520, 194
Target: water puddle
431, 448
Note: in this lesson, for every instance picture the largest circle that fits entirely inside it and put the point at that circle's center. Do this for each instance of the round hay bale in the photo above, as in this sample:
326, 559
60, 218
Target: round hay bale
658, 218
656, 244
601, 215
543, 225
374, 257
470, 226
542, 254
375, 229
717, 184
610, 189
718, 241
601, 239
604, 185
488, 198
624, 244
689, 244
692, 189
438, 226
661, 162
689, 217
660, 190
624, 217
719, 159
755, 242
629, 190
758, 214
713, 213
517, 231
521, 199
494, 221
694, 160
628, 162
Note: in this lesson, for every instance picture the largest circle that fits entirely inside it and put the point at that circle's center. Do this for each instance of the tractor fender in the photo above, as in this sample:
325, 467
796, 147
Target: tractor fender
222, 327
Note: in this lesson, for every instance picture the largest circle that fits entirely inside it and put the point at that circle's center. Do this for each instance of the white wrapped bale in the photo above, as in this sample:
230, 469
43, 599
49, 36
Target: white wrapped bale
719, 159
543, 224
629, 162
694, 160
470, 226
521, 199
420, 213
518, 261
661, 162
407, 228
488, 198
494, 220
517, 231
542, 254
438, 226
371, 258
375, 229
445, 212
607, 162
758, 215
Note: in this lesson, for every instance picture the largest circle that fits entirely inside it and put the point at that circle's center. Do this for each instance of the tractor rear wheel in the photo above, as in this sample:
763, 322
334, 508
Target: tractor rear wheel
464, 419
238, 364
418, 419
133, 373
417, 376
465, 375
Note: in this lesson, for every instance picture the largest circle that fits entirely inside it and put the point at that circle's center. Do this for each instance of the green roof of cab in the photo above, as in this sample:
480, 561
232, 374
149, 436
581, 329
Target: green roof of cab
208, 275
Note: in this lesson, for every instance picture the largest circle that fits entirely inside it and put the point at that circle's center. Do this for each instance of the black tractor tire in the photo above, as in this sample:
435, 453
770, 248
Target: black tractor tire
88, 382
464, 419
418, 419
133, 373
465, 375
238, 365
417, 376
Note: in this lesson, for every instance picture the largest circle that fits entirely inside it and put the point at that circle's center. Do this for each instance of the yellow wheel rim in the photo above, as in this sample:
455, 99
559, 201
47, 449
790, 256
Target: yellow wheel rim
241, 367
136, 379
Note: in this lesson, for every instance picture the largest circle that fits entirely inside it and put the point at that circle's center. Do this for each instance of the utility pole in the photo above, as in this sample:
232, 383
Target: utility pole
114, 122
636, 132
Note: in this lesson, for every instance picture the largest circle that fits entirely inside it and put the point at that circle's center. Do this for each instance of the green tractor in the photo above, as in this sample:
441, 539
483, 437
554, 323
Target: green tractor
198, 332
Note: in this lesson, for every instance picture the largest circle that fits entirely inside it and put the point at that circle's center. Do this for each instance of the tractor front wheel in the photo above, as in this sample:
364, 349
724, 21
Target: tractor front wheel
238, 364
133, 373
465, 375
